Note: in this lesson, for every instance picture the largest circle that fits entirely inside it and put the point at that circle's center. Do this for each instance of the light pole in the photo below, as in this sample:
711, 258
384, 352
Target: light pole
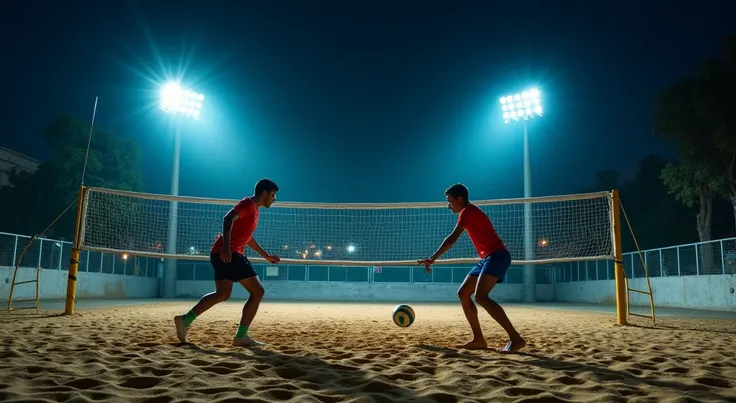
523, 106
178, 102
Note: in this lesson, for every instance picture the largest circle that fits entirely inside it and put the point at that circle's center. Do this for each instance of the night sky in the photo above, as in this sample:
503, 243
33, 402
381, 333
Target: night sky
358, 101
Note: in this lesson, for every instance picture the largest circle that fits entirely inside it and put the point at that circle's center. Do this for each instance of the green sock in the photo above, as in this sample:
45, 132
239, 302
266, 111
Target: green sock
189, 317
242, 331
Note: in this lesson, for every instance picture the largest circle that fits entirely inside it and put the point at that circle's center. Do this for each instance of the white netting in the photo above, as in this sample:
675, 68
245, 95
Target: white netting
565, 228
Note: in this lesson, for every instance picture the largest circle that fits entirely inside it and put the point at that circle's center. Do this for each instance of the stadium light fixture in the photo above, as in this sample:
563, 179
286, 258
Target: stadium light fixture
522, 106
177, 100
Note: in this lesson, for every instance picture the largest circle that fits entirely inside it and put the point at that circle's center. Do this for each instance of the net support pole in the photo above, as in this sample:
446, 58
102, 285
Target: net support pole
618, 265
169, 280
71, 282
529, 274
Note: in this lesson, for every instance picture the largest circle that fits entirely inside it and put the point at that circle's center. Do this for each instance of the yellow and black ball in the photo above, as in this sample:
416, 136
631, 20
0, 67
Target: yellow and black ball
403, 315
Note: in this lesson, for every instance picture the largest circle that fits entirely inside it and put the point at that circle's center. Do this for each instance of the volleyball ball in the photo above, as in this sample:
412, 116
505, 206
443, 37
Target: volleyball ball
403, 315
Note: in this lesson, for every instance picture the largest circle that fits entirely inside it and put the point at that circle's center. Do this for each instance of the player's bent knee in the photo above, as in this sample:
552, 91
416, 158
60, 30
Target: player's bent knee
256, 291
464, 294
483, 299
222, 296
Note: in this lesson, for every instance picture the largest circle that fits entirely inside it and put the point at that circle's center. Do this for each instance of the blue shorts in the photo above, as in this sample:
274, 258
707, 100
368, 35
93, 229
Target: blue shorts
496, 264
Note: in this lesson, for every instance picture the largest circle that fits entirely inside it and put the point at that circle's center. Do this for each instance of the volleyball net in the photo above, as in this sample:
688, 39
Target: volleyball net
566, 228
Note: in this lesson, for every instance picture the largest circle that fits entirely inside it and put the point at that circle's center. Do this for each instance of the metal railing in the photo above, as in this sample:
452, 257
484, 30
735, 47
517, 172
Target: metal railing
53, 254
695, 259
202, 270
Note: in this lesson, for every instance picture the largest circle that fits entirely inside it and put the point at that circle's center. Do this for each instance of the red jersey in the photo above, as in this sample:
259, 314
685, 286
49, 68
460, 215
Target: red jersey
243, 227
480, 230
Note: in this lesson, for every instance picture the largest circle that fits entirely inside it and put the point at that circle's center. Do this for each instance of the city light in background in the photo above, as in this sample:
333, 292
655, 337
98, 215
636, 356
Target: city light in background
523, 105
316, 251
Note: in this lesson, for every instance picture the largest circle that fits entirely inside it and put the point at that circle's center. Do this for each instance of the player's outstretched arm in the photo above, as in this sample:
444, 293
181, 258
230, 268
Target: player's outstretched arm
256, 247
447, 243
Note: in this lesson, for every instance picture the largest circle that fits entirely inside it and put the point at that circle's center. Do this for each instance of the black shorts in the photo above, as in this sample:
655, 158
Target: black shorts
237, 269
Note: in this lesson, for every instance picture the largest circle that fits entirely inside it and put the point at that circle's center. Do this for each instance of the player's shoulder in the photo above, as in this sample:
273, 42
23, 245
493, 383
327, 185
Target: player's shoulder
245, 203
473, 208
474, 213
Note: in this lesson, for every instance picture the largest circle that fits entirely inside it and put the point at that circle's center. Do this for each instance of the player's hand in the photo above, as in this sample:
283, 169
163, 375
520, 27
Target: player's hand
273, 259
427, 264
226, 255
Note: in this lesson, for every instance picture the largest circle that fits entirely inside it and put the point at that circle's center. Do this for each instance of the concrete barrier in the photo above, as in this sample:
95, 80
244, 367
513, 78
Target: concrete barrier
89, 285
707, 292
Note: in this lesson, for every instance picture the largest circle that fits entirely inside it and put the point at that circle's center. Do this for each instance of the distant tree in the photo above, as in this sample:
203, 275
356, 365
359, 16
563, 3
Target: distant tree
34, 200
695, 178
693, 186
657, 218
714, 103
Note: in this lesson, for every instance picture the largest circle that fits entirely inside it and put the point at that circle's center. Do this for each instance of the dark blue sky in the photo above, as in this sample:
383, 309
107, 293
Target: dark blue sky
340, 102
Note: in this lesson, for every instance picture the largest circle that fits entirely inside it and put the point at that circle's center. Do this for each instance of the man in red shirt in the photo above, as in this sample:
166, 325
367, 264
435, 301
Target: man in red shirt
491, 269
231, 265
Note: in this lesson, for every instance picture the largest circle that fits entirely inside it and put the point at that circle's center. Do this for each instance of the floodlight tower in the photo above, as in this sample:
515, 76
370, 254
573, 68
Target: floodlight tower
524, 106
181, 103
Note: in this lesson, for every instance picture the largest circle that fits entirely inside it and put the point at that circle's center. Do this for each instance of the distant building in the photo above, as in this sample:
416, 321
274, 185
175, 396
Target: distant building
10, 159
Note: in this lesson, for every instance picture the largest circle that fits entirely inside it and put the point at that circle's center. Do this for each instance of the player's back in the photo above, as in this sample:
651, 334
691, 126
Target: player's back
481, 231
243, 228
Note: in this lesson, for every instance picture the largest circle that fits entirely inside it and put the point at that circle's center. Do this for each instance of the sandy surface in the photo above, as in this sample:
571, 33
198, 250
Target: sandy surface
335, 352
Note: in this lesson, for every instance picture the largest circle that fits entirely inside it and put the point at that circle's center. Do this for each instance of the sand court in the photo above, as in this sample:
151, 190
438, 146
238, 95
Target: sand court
352, 352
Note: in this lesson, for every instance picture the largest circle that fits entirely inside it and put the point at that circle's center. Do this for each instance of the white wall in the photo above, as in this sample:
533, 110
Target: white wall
89, 285
10, 159
341, 291
714, 292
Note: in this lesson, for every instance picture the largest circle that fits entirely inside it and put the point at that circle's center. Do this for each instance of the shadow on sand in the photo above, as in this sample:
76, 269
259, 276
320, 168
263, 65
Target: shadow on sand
329, 382
603, 375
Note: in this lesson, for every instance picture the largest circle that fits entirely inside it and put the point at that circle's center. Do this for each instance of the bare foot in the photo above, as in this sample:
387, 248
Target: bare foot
474, 345
513, 346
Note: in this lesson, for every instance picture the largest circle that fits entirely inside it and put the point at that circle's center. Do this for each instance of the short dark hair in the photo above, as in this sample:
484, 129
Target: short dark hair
266, 185
457, 190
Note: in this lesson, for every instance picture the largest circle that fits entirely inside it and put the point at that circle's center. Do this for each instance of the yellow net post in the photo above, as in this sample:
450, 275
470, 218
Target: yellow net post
71, 284
618, 265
